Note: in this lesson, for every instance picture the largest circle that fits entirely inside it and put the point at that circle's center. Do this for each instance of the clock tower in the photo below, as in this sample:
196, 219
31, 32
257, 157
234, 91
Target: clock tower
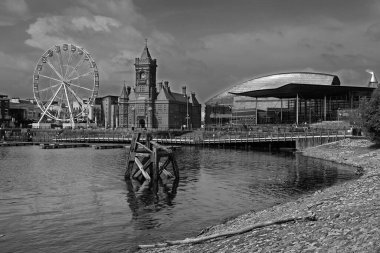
146, 106
145, 91
145, 67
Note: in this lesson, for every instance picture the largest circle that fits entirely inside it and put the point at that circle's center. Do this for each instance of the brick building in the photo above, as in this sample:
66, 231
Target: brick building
4, 111
148, 106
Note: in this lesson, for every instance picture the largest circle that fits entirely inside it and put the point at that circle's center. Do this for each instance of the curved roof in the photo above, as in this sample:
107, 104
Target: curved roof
307, 85
279, 80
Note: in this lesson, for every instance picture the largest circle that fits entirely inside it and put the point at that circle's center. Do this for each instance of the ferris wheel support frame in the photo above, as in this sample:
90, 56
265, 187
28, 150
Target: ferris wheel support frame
51, 101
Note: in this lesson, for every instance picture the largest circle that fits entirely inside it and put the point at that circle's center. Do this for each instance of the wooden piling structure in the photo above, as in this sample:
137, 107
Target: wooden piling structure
144, 164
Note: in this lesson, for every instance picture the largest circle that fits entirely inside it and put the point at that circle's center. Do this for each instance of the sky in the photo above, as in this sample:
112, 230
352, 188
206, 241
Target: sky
207, 45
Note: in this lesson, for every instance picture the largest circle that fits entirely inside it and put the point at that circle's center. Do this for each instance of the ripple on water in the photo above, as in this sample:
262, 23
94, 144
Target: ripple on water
72, 200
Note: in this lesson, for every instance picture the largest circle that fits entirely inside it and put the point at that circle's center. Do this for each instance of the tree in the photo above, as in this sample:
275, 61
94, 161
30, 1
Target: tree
370, 115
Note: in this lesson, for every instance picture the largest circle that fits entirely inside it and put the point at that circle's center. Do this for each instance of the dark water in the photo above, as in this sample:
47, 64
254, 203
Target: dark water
75, 200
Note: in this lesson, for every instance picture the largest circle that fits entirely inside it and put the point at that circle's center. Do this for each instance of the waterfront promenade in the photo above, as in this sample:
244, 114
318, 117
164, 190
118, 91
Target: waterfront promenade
267, 138
347, 215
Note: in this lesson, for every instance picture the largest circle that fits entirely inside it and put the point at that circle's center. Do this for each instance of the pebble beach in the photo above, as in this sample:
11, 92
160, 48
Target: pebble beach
346, 217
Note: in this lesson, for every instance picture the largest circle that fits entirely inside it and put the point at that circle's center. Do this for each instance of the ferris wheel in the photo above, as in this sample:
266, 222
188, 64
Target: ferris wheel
65, 83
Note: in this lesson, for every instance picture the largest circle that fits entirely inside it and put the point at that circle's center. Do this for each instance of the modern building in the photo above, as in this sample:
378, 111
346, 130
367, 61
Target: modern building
148, 106
286, 98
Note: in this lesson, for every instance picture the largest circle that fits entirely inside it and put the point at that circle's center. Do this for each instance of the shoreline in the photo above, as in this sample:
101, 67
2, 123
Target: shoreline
347, 215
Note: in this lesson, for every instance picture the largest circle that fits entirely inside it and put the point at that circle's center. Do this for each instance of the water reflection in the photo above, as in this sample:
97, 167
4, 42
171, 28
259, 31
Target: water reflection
77, 199
140, 196
320, 173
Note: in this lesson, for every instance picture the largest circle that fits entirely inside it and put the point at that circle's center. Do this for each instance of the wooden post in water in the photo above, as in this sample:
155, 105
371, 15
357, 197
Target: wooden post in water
155, 170
148, 170
132, 154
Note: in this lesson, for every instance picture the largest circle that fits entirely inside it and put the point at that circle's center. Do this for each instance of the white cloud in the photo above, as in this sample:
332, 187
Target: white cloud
109, 30
98, 23
48, 31
124, 58
124, 10
113, 32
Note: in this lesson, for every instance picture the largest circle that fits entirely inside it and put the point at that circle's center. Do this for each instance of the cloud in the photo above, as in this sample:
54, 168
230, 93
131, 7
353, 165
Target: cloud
98, 23
124, 57
121, 9
109, 30
12, 11
328, 47
350, 77
354, 60
48, 31
16, 74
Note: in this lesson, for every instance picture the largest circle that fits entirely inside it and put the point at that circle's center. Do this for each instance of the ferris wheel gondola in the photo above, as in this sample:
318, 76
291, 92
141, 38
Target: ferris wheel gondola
65, 84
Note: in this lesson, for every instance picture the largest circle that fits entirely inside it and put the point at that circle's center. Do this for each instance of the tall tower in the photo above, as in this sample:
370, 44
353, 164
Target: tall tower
145, 89
145, 68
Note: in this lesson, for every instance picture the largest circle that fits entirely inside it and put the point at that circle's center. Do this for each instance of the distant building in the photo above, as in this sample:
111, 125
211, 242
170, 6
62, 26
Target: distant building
96, 112
4, 111
23, 112
105, 112
148, 106
285, 98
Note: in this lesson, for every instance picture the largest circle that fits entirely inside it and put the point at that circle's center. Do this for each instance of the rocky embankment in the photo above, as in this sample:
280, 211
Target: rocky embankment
347, 215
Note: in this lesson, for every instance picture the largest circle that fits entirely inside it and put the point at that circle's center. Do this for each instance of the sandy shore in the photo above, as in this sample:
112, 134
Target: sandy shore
347, 215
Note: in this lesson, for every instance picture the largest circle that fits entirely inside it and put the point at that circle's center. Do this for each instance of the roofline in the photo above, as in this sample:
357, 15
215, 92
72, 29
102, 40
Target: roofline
267, 75
292, 72
261, 93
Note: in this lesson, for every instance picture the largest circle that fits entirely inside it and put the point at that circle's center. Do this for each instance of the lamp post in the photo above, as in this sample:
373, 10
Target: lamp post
338, 113
231, 116
187, 111
149, 117
133, 110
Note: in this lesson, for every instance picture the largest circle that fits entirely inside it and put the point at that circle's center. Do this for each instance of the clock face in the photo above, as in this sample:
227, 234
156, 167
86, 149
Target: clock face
143, 75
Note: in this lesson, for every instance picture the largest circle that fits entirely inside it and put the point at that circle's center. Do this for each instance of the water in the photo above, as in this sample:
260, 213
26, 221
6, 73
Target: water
75, 200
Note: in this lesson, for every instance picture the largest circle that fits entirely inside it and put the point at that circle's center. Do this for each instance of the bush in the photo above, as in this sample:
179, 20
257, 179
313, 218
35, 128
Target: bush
370, 115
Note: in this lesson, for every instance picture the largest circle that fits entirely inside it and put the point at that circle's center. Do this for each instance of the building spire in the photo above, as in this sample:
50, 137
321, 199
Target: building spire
145, 54
124, 93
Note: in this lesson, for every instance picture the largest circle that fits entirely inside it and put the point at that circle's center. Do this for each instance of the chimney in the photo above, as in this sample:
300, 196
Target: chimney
373, 81
159, 86
166, 84
184, 90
